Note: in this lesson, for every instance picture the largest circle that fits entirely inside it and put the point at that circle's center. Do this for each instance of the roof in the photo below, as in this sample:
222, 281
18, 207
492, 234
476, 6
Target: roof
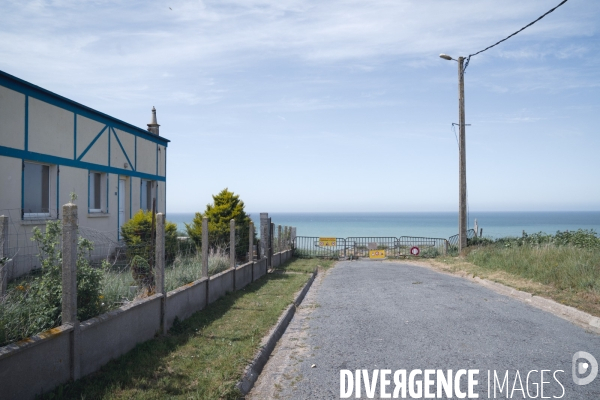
22, 86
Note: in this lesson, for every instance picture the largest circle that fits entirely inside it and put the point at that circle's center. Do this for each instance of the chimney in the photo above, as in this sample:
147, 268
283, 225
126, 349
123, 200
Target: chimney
153, 125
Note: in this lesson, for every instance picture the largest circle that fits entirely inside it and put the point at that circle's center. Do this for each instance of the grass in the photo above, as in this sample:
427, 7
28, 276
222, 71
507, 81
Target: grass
567, 273
204, 356
306, 265
17, 320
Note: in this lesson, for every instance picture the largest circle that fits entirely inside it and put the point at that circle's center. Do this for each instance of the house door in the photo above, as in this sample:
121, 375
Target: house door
121, 204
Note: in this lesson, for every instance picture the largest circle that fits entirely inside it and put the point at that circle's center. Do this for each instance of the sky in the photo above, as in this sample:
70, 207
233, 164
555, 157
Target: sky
305, 106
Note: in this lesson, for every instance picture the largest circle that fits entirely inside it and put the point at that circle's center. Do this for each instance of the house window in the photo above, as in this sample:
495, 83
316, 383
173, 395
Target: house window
97, 192
147, 194
36, 190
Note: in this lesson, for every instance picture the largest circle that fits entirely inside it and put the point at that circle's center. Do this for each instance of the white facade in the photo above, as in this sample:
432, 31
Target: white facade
51, 147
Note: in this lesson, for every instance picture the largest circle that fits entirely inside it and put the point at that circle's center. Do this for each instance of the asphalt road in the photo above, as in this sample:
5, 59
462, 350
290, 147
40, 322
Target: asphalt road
379, 315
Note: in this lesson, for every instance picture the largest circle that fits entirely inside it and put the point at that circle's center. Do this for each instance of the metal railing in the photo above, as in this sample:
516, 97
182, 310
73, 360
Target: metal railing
361, 245
453, 240
427, 247
307, 247
404, 246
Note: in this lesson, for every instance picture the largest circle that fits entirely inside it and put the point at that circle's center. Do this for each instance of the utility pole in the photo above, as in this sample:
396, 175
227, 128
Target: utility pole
462, 160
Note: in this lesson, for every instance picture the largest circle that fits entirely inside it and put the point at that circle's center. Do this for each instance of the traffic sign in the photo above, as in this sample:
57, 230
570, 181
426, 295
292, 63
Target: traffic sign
414, 251
376, 253
327, 241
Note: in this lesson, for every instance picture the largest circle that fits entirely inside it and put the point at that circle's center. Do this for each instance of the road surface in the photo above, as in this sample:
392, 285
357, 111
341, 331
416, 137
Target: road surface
373, 315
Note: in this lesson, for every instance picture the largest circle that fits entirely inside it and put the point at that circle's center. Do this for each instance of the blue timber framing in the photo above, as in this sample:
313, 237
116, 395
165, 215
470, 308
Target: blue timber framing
29, 89
122, 149
45, 158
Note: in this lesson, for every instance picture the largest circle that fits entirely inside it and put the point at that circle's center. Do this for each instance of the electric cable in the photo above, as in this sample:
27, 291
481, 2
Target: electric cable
509, 36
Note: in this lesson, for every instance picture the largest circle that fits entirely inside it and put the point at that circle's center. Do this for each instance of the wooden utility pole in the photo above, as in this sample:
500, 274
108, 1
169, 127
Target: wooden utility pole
462, 196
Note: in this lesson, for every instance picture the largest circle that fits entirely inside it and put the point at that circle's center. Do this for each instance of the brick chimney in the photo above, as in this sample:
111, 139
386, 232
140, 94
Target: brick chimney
153, 125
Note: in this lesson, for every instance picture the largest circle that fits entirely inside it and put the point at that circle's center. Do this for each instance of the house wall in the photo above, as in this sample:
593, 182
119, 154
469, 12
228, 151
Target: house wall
42, 127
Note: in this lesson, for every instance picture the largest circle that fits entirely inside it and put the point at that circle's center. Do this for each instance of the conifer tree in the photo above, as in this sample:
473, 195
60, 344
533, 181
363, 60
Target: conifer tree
226, 206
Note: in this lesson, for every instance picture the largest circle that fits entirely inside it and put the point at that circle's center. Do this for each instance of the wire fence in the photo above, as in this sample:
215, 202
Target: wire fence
117, 272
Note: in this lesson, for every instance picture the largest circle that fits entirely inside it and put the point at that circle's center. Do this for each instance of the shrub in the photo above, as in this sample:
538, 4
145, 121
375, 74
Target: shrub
35, 306
226, 206
137, 234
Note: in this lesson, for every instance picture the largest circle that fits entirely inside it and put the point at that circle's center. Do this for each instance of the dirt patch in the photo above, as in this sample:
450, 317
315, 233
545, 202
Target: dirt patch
281, 371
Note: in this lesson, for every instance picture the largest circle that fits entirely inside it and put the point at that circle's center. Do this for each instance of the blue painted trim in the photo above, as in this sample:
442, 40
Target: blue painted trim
165, 181
109, 136
89, 174
26, 123
107, 192
67, 162
91, 144
118, 205
58, 191
130, 195
22, 187
141, 194
122, 149
74, 136
29, 89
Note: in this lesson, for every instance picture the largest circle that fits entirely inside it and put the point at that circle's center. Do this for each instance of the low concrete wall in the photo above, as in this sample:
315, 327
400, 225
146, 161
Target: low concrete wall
115, 333
35, 365
40, 363
243, 276
185, 301
220, 284
276, 260
260, 268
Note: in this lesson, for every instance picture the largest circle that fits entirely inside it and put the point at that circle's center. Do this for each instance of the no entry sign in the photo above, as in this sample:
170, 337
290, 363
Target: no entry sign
414, 251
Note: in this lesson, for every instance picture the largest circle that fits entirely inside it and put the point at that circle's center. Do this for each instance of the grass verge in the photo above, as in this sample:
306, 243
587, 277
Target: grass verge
204, 356
565, 274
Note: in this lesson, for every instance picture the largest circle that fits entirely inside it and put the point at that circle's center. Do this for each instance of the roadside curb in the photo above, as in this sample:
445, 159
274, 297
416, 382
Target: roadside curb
253, 370
571, 314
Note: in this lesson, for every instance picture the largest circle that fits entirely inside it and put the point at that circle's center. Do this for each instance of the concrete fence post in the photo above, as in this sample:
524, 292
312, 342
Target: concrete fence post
251, 242
205, 247
293, 236
279, 239
205, 255
232, 248
271, 244
232, 243
159, 269
69, 284
265, 227
3, 254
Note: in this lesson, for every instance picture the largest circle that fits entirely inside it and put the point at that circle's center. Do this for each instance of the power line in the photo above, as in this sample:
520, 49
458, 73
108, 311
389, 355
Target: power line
508, 37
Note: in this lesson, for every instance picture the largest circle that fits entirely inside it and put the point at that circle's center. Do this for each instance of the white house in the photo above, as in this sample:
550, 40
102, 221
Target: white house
51, 146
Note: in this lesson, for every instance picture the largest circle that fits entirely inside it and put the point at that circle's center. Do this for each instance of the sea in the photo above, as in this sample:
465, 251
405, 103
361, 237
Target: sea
421, 224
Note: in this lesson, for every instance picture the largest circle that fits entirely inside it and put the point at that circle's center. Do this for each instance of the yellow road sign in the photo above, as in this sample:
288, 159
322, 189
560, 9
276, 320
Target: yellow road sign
327, 241
376, 253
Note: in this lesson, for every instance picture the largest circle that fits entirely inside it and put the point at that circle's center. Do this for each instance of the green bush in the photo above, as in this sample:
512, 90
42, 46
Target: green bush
226, 206
137, 234
581, 238
35, 306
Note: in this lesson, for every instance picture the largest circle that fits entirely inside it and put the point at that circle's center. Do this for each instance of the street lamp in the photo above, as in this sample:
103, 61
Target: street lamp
462, 181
